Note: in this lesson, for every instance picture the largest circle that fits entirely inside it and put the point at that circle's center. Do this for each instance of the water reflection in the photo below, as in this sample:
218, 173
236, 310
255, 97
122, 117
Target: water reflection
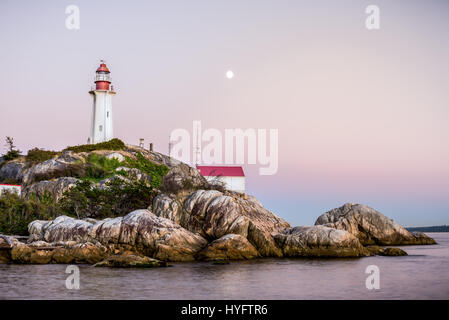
421, 275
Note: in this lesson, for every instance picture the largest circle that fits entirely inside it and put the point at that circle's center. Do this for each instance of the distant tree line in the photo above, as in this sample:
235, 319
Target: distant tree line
443, 228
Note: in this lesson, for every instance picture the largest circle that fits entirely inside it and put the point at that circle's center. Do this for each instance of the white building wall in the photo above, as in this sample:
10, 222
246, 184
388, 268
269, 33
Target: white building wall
231, 183
102, 125
10, 188
109, 129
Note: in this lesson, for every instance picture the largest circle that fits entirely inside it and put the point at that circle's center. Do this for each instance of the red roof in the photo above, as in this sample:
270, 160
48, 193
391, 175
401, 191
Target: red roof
103, 68
215, 171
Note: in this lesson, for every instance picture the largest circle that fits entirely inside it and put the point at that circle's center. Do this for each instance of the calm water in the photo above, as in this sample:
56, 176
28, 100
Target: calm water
424, 274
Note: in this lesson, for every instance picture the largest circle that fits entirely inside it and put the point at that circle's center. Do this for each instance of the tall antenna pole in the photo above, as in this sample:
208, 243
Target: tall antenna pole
197, 142
169, 146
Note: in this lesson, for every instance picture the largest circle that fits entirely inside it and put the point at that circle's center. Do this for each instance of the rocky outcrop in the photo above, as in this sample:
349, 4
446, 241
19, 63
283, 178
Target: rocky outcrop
135, 174
61, 229
183, 177
188, 219
130, 260
128, 175
213, 214
12, 171
116, 155
319, 241
5, 253
229, 247
370, 226
153, 156
167, 207
58, 253
140, 230
395, 252
59, 163
421, 238
56, 187
159, 237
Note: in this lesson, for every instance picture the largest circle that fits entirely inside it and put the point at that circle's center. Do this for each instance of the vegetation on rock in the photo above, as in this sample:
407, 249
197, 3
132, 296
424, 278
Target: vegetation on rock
17, 212
113, 144
119, 198
130, 260
12, 151
155, 171
39, 155
108, 187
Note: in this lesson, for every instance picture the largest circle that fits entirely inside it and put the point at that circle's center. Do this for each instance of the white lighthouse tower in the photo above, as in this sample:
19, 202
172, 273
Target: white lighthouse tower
102, 125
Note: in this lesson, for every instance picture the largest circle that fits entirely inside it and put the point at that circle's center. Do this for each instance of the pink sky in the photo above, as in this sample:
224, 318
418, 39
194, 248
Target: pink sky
362, 115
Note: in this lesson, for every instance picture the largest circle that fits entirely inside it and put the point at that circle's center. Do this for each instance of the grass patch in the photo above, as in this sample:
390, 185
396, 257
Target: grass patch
39, 155
113, 144
99, 167
155, 171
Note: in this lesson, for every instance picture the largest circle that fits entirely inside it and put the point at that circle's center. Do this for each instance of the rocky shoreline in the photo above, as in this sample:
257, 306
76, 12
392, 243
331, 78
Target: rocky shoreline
220, 230
186, 222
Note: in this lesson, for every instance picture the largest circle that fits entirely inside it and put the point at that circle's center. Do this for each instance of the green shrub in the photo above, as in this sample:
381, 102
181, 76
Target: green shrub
118, 199
155, 171
12, 151
11, 155
99, 161
114, 144
17, 212
40, 155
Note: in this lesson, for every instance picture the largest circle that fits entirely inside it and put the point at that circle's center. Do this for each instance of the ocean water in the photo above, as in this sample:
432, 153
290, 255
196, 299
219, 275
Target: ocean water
423, 274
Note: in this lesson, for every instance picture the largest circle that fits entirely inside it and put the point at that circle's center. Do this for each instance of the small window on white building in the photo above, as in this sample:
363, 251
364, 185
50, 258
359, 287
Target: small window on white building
101, 128
107, 114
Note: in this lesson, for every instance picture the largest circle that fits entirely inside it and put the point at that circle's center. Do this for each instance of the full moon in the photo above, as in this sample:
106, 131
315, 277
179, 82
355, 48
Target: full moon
229, 74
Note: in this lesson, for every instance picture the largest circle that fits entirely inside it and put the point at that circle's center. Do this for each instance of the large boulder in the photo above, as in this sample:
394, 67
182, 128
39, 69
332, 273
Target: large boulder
43, 253
55, 188
107, 231
60, 163
213, 214
22, 253
153, 156
62, 228
140, 230
370, 226
159, 237
229, 247
12, 171
6, 244
319, 241
167, 207
183, 178
395, 252
422, 238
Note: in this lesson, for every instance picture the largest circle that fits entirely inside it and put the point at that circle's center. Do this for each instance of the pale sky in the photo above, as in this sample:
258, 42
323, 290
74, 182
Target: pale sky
363, 116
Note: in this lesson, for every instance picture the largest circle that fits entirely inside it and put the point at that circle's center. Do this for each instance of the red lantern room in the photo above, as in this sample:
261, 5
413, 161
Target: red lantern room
102, 77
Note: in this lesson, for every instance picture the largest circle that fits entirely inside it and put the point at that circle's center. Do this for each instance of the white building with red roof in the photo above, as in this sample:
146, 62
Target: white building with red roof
233, 178
14, 188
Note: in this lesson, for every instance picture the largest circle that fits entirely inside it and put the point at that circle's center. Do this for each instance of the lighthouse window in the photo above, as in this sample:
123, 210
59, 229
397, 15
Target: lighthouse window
107, 114
101, 128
